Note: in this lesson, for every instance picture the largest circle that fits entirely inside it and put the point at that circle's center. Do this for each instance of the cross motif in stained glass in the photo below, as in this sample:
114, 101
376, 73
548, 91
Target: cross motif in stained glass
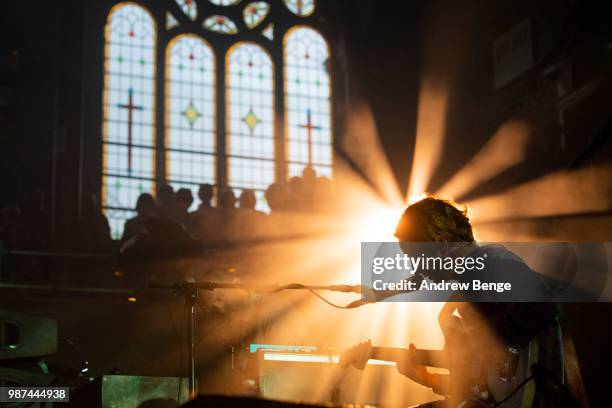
191, 114
220, 24
129, 120
307, 102
130, 107
254, 13
251, 120
309, 128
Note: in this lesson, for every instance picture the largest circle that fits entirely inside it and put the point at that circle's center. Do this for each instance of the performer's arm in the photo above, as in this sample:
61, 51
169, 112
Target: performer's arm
418, 373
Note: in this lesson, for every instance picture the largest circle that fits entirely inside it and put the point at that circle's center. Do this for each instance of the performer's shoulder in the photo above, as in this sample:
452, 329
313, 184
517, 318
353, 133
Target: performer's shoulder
495, 252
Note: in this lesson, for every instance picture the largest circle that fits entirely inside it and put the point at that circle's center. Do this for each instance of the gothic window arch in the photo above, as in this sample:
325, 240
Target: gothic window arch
307, 101
129, 142
250, 133
212, 91
190, 112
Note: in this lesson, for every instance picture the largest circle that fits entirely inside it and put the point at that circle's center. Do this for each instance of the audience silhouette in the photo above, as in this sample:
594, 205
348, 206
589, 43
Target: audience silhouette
163, 223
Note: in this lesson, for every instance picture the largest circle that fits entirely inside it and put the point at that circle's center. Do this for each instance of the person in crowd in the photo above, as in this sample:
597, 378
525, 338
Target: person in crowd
295, 189
247, 200
145, 209
205, 222
205, 194
276, 197
184, 199
309, 189
94, 231
166, 202
250, 221
228, 214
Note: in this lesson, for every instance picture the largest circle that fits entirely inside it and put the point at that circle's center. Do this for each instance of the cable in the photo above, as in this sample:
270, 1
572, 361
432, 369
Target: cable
518, 387
327, 301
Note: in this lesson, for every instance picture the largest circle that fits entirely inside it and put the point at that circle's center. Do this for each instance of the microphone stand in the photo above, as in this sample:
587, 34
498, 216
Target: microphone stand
191, 289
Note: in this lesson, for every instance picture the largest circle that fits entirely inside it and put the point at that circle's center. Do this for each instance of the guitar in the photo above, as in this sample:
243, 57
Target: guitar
475, 379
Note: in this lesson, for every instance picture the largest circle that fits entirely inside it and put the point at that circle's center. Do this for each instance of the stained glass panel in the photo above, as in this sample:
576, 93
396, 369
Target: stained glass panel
189, 7
220, 24
191, 115
251, 118
307, 101
268, 32
254, 13
171, 22
129, 111
302, 8
225, 2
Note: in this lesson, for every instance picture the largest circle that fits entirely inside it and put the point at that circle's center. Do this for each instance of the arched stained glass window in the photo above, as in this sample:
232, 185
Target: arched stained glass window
129, 111
191, 113
250, 140
307, 101
188, 152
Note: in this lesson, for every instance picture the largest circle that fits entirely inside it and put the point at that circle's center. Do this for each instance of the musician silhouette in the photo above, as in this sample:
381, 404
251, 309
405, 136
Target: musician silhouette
479, 337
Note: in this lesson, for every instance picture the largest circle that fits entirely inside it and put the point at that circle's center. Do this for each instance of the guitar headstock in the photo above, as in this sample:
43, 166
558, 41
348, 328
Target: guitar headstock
357, 356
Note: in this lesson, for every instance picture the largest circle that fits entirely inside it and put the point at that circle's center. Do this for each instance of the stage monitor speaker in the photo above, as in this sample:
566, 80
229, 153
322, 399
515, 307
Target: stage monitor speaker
23, 335
129, 391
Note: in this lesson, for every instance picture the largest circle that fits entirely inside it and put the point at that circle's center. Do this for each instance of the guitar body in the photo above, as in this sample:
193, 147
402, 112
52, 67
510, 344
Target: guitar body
502, 379
484, 378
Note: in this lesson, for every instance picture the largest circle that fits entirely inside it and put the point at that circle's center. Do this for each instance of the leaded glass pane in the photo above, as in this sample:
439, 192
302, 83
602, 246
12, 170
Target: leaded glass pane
191, 113
225, 2
220, 24
268, 32
189, 7
129, 111
251, 118
255, 12
302, 8
307, 101
171, 22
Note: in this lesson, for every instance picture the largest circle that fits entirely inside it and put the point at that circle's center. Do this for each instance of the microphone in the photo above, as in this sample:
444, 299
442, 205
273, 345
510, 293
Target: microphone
370, 295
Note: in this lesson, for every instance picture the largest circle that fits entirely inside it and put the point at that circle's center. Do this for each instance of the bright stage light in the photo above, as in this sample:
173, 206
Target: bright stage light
378, 225
416, 197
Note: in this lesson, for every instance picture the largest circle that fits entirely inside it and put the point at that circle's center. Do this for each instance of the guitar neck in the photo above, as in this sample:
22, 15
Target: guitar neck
429, 358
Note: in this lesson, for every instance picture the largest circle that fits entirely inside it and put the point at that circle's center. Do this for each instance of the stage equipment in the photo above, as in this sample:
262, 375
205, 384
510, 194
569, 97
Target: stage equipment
294, 373
23, 335
190, 292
